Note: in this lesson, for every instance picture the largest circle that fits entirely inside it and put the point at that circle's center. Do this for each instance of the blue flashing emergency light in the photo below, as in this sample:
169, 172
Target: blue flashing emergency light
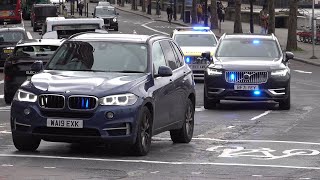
256, 92
256, 42
187, 60
232, 77
201, 28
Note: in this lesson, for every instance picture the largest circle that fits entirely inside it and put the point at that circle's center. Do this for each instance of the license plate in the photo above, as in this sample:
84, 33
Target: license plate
246, 87
197, 66
64, 123
7, 51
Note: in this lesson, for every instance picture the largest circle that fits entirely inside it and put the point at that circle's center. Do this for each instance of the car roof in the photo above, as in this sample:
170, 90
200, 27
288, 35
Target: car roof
7, 28
44, 5
33, 42
103, 7
115, 37
250, 36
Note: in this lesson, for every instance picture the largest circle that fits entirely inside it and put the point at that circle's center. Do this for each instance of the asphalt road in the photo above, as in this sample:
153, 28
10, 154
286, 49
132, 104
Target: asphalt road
238, 140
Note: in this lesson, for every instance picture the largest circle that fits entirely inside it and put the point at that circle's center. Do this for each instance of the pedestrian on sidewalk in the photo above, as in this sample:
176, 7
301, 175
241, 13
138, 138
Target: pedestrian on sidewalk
223, 13
158, 8
199, 13
80, 6
169, 13
264, 20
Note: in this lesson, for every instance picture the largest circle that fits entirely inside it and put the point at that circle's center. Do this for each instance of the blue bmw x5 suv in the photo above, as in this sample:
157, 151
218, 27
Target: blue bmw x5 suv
108, 88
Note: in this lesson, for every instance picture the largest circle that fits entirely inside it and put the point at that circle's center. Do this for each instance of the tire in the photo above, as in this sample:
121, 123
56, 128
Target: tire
144, 133
285, 104
34, 28
25, 142
209, 103
31, 24
116, 29
185, 133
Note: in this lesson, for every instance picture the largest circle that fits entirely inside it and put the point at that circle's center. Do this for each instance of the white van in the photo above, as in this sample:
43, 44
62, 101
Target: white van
60, 27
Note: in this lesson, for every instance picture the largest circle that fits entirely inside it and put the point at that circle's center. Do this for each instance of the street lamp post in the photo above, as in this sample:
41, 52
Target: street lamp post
313, 32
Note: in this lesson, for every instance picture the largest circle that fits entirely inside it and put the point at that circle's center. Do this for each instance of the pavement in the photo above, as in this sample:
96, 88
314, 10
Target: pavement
238, 140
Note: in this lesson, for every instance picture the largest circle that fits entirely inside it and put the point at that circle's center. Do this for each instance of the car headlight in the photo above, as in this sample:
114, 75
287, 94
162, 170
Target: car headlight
282, 72
214, 72
25, 96
114, 19
119, 100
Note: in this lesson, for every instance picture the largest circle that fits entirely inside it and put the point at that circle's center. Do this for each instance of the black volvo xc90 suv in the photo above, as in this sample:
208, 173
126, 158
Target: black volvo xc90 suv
248, 67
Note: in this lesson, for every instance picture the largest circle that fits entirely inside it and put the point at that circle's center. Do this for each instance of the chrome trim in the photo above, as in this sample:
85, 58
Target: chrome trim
97, 102
218, 92
127, 128
21, 124
64, 100
273, 91
255, 77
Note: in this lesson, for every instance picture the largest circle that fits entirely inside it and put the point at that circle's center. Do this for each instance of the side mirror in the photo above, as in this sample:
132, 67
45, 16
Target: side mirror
50, 35
37, 66
206, 55
164, 71
289, 55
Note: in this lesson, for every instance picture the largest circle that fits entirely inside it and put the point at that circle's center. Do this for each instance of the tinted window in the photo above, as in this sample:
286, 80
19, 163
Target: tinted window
45, 11
100, 56
11, 36
179, 56
35, 51
248, 48
195, 40
169, 55
157, 57
105, 11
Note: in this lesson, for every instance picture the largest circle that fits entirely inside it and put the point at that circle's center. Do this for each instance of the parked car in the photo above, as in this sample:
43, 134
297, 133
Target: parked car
248, 67
18, 64
111, 88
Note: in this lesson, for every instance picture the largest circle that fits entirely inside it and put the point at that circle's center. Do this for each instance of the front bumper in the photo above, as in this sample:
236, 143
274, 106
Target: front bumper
276, 89
122, 128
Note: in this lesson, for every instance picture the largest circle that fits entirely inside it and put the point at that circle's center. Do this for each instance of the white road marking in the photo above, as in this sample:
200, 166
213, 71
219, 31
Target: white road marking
304, 72
1, 96
29, 35
49, 167
5, 108
195, 173
145, 26
6, 165
261, 115
230, 127
241, 141
304, 178
154, 172
254, 175
2, 81
158, 162
199, 109
5, 132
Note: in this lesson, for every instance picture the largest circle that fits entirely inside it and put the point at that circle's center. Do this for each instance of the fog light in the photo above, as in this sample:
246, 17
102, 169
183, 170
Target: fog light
110, 115
26, 111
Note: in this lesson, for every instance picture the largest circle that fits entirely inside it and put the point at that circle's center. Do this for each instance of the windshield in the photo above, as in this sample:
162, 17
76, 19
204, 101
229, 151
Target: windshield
100, 56
104, 4
35, 51
7, 5
11, 36
46, 11
105, 11
248, 48
195, 40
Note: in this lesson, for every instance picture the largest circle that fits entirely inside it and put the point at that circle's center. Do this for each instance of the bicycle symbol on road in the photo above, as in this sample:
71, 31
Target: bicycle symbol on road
260, 153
